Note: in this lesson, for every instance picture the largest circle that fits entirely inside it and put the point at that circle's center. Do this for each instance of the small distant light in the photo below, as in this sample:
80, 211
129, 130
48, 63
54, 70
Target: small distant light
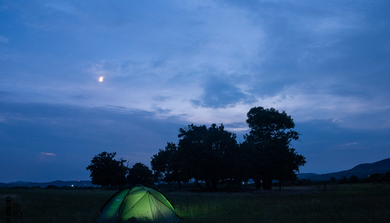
100, 79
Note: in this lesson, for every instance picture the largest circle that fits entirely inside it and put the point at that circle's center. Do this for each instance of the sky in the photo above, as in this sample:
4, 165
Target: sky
167, 64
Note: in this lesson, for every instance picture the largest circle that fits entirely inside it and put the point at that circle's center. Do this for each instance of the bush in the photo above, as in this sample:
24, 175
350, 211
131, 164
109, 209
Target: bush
353, 179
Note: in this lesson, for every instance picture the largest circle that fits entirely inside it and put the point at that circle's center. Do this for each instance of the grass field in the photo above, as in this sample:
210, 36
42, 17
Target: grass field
339, 203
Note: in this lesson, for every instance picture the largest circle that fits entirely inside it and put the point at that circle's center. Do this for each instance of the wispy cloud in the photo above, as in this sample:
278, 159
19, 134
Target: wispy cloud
48, 154
3, 39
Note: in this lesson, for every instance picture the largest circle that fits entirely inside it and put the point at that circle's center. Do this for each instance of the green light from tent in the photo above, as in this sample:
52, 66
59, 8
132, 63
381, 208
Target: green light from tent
111, 208
140, 204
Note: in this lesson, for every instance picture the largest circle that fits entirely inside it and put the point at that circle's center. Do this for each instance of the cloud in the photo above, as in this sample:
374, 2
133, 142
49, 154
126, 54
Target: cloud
305, 40
220, 93
3, 39
182, 62
48, 154
77, 134
60, 6
348, 110
161, 98
64, 126
216, 59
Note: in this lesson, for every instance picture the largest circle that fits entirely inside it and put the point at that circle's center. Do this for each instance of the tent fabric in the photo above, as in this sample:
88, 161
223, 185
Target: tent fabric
139, 204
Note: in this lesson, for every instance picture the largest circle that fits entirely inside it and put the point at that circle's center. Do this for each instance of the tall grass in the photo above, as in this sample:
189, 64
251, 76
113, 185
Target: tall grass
357, 203
55, 205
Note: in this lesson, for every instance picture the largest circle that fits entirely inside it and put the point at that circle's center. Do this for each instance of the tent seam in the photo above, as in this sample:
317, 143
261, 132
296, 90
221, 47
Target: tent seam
166, 205
134, 204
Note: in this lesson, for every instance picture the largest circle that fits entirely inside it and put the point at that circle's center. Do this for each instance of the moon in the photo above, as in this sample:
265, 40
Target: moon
100, 79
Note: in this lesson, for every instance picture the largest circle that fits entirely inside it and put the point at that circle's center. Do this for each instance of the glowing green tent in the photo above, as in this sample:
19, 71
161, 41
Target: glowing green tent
139, 204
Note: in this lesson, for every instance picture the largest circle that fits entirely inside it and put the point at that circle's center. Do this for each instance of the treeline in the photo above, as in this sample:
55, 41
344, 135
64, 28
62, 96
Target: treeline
114, 174
212, 156
54, 187
50, 187
373, 178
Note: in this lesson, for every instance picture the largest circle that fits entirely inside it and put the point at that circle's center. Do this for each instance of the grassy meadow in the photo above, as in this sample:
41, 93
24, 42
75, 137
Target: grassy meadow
336, 203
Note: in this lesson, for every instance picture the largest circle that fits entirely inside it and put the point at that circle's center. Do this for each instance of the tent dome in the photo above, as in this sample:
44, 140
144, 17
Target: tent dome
139, 204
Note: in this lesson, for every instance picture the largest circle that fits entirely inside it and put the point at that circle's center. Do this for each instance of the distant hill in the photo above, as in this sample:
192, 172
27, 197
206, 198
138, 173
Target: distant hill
361, 171
57, 183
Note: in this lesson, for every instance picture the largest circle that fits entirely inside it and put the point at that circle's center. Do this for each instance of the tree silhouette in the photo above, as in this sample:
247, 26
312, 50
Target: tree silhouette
106, 171
270, 138
205, 154
166, 164
353, 179
140, 174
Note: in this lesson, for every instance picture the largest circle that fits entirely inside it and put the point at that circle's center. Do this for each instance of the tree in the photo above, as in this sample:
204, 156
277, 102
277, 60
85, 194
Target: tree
166, 164
386, 177
270, 137
240, 163
206, 154
375, 177
343, 180
160, 165
140, 174
353, 179
333, 180
106, 171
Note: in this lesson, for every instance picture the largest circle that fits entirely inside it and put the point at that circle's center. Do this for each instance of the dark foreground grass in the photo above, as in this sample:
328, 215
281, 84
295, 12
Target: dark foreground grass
357, 203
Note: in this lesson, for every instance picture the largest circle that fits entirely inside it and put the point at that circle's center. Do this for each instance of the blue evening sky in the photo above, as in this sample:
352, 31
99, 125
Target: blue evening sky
167, 64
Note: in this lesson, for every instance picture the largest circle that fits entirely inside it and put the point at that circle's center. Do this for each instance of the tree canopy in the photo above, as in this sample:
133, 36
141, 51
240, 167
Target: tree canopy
166, 164
212, 156
203, 154
106, 171
270, 138
140, 174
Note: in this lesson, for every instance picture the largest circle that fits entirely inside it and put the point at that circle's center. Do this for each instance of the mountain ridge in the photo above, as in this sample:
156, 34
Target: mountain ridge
361, 171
